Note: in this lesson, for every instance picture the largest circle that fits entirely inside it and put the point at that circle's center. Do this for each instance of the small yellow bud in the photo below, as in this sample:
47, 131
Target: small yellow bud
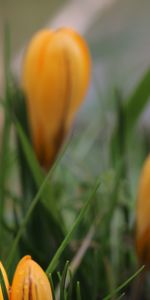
56, 75
143, 216
30, 282
5, 280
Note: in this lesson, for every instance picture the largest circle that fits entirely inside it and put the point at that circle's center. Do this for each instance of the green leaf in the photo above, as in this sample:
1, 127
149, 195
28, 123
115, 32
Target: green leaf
38, 175
78, 291
63, 281
70, 288
52, 286
3, 286
128, 113
6, 126
31, 209
117, 290
136, 103
69, 235
118, 139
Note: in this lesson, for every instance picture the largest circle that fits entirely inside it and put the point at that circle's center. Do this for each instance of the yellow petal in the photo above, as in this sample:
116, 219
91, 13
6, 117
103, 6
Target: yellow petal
55, 79
30, 282
143, 215
5, 279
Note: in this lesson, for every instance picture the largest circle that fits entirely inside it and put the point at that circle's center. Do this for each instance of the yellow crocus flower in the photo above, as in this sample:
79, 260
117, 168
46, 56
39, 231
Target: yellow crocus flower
143, 215
56, 73
30, 282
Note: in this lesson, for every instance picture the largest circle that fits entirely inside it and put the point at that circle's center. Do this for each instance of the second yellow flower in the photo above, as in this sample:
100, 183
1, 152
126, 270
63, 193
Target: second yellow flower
55, 78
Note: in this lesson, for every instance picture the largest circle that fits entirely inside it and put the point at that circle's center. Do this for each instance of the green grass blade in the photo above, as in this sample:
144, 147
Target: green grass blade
76, 223
63, 281
70, 288
6, 125
30, 211
136, 103
121, 296
117, 290
3, 286
117, 146
38, 174
7, 61
128, 113
30, 155
52, 286
78, 291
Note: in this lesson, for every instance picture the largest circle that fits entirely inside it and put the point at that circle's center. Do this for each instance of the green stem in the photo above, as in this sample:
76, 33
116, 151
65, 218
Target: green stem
67, 239
30, 210
117, 290
6, 126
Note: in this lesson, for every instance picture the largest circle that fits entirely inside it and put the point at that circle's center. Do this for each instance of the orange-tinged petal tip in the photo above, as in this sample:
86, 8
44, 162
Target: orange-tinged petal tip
143, 215
30, 282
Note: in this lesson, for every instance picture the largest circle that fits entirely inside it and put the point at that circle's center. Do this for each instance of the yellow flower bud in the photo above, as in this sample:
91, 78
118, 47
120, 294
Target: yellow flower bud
56, 75
5, 280
30, 282
143, 215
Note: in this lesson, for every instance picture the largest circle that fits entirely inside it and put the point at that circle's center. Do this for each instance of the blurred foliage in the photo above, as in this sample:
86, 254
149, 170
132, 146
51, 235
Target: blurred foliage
88, 196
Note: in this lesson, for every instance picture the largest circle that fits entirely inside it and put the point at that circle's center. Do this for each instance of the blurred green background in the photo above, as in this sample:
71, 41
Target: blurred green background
117, 33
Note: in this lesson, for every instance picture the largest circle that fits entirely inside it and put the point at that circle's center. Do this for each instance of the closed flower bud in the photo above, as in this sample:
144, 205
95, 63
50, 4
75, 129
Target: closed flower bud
143, 216
55, 79
5, 280
30, 282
